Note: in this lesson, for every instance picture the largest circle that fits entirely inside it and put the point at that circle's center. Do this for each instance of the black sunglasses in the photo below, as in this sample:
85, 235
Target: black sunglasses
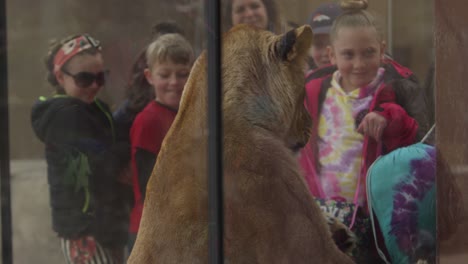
85, 79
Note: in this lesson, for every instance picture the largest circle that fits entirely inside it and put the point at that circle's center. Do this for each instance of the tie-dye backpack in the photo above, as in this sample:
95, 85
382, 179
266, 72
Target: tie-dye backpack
401, 192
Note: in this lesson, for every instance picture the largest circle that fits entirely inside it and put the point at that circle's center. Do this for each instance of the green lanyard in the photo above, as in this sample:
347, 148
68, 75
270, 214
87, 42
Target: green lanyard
109, 117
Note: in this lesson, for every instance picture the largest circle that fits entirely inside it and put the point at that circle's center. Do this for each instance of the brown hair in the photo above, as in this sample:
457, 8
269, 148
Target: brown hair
274, 18
54, 47
165, 27
354, 15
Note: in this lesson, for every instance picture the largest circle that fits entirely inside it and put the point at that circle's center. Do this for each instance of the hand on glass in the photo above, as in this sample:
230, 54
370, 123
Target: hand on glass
373, 125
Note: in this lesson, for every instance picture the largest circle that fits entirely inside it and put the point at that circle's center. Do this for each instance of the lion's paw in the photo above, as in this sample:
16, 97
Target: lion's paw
344, 238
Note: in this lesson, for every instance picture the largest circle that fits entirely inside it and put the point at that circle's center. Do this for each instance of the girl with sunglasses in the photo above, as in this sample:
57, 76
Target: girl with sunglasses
83, 156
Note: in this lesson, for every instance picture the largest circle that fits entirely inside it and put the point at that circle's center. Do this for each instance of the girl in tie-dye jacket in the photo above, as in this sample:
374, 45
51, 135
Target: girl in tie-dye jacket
369, 106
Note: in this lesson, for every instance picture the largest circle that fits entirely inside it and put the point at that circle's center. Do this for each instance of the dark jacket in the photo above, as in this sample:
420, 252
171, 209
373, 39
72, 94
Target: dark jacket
84, 162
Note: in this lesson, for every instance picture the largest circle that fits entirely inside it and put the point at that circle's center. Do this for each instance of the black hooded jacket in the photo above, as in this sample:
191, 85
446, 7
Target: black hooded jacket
84, 161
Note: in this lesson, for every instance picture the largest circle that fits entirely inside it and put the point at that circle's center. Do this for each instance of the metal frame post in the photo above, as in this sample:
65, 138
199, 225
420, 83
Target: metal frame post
215, 136
5, 191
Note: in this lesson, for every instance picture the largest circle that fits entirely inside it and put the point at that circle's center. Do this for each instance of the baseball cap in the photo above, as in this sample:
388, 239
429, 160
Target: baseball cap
322, 18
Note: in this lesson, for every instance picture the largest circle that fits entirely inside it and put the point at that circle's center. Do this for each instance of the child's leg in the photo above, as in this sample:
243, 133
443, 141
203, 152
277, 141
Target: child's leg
86, 250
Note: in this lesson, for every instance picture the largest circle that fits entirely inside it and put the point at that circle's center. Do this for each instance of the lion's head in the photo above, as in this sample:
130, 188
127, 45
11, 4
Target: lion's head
267, 81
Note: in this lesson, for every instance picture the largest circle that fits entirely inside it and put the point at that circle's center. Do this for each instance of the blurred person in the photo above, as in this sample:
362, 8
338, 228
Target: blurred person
263, 14
84, 158
321, 21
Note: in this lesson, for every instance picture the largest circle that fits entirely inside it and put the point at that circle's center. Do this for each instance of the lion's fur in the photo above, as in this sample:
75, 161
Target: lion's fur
270, 216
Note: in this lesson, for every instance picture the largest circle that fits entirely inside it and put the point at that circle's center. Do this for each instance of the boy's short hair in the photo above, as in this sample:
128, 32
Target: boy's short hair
321, 20
173, 47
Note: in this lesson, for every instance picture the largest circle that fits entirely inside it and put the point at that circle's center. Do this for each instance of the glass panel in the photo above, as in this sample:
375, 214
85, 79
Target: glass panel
125, 30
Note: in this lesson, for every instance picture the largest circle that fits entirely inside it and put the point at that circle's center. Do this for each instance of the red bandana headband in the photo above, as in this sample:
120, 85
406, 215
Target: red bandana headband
73, 47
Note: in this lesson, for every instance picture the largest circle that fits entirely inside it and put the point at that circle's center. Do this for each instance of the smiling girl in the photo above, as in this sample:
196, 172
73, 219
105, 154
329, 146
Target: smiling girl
358, 112
169, 59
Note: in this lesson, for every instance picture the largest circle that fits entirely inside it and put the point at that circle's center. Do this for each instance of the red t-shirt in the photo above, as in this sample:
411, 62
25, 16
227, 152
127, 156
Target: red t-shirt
147, 132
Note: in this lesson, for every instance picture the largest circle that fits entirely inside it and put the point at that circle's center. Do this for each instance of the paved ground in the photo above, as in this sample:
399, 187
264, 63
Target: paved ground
33, 239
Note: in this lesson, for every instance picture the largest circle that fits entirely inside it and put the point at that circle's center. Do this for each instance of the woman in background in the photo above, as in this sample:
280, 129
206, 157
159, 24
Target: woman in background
263, 14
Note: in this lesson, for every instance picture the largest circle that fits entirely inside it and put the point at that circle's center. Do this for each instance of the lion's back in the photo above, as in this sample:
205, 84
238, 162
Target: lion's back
269, 215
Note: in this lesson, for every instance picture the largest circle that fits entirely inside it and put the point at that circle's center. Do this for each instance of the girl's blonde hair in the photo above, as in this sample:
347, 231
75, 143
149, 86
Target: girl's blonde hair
355, 15
169, 47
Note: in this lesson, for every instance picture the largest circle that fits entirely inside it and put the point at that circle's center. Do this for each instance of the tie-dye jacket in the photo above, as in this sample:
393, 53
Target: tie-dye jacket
399, 99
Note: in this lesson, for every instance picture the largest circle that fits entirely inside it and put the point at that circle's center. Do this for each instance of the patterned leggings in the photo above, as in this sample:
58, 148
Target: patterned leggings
86, 250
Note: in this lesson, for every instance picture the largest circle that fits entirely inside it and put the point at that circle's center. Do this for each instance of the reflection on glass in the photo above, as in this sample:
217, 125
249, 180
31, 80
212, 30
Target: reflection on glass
125, 30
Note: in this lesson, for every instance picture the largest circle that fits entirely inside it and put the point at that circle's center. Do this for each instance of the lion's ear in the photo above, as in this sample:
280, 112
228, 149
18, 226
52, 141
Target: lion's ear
294, 44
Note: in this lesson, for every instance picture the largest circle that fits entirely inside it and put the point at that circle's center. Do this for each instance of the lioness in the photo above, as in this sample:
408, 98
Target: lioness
270, 217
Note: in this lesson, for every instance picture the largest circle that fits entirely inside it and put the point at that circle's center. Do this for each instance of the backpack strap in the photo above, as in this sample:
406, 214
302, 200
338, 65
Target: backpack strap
428, 134
321, 72
316, 91
317, 95
326, 83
